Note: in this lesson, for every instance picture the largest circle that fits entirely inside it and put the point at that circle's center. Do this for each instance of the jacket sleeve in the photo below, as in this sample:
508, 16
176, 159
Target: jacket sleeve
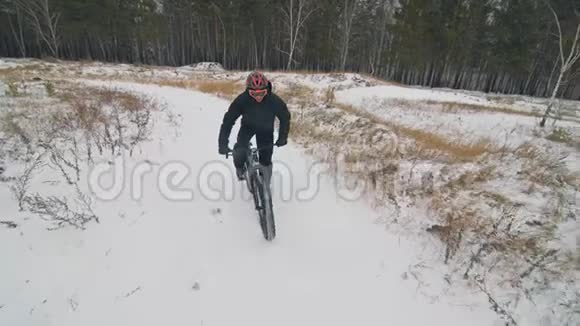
284, 117
233, 113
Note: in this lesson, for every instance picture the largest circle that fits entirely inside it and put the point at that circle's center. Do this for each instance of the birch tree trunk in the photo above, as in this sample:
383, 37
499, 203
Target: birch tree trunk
296, 14
43, 21
567, 63
18, 34
348, 16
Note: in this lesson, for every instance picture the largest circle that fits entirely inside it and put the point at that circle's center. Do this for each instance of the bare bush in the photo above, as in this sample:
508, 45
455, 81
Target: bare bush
142, 120
295, 93
109, 119
12, 90
67, 129
10, 126
329, 97
20, 186
496, 306
9, 224
57, 159
543, 169
560, 135
49, 86
58, 211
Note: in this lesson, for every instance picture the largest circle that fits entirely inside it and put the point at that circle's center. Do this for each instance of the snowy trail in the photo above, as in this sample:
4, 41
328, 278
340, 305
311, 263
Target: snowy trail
161, 262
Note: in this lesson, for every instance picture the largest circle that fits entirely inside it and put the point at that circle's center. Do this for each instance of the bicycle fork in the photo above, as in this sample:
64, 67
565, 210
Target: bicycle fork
262, 179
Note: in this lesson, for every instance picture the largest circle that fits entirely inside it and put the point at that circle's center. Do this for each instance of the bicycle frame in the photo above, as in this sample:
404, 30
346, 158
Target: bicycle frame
253, 164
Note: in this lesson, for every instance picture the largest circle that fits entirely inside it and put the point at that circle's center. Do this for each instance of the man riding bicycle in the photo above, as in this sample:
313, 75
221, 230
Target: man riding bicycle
258, 107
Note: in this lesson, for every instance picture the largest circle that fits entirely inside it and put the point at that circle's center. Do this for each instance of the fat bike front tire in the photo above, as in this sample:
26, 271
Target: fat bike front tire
265, 210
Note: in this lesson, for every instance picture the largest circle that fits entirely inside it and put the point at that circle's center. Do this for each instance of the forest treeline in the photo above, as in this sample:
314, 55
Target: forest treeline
507, 46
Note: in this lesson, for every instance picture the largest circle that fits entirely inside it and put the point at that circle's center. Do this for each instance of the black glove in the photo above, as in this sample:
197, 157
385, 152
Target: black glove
281, 142
224, 150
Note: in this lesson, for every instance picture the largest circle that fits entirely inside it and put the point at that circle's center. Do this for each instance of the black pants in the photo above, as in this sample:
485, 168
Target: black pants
263, 139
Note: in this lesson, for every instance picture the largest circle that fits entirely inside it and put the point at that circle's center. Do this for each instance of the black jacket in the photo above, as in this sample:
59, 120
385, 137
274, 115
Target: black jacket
258, 116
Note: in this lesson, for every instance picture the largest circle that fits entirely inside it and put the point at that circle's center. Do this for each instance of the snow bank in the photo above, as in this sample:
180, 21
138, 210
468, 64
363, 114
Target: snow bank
357, 96
338, 81
507, 119
203, 66
9, 63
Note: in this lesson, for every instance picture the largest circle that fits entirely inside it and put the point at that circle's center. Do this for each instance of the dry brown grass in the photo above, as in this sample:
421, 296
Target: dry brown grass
428, 144
224, 88
329, 96
470, 179
109, 120
363, 160
227, 89
65, 131
482, 229
87, 107
495, 199
24, 72
11, 126
560, 135
178, 83
455, 223
471, 227
430, 141
456, 148
573, 179
510, 100
528, 151
539, 168
457, 107
298, 94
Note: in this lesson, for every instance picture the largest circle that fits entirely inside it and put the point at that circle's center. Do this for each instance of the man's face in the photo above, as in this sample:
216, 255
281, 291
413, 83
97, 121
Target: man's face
258, 94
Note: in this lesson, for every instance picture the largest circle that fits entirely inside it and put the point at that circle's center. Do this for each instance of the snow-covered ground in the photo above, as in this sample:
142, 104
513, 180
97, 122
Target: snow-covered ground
203, 66
440, 110
190, 264
168, 250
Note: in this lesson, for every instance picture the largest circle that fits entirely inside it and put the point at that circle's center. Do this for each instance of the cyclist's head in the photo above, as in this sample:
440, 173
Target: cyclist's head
257, 85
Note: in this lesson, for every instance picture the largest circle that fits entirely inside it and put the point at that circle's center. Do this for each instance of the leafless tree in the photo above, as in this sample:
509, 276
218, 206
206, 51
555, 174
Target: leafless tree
43, 21
566, 62
219, 14
348, 14
387, 12
17, 31
296, 13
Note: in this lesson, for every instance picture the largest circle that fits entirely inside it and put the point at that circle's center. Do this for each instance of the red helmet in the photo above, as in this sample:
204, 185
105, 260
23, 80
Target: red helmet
256, 80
